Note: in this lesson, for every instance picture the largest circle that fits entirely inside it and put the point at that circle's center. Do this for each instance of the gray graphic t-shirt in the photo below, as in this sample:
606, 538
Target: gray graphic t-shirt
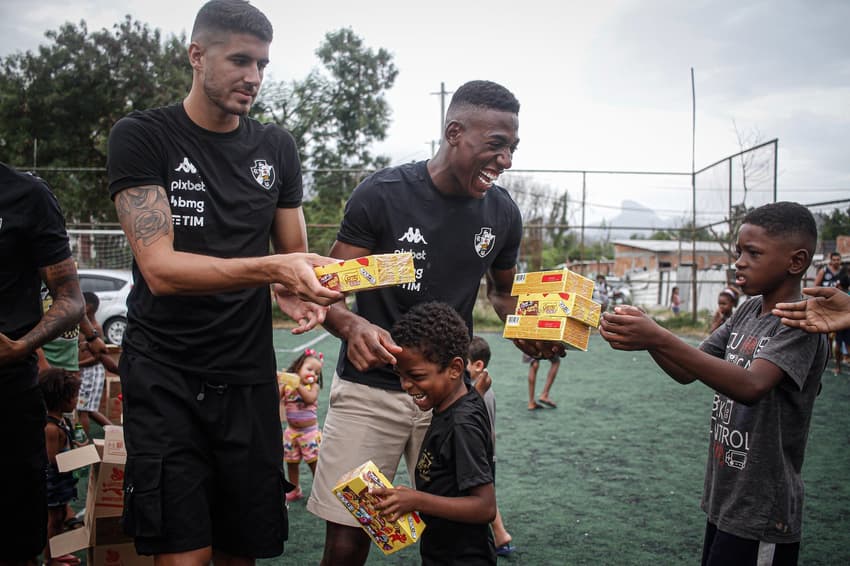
753, 486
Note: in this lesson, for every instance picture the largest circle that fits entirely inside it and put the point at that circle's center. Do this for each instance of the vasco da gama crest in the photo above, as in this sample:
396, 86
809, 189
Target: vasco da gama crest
484, 241
263, 173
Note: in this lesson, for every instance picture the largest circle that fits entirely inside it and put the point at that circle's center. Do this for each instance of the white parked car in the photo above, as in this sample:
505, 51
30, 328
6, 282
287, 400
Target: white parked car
112, 287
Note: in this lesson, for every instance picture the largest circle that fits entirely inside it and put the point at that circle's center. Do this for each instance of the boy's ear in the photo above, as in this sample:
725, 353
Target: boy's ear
457, 367
799, 261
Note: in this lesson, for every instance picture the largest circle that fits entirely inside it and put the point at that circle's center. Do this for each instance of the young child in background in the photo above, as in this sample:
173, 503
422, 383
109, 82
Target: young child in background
476, 365
302, 436
59, 388
544, 399
842, 337
92, 372
454, 473
766, 376
675, 301
727, 300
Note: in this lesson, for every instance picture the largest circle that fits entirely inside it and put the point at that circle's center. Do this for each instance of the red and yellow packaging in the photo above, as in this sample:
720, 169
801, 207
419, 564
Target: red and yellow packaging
571, 305
367, 272
285, 378
570, 331
555, 281
353, 492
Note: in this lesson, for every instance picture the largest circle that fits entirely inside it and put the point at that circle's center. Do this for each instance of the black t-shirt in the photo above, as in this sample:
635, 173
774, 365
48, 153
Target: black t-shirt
454, 240
32, 236
223, 190
456, 456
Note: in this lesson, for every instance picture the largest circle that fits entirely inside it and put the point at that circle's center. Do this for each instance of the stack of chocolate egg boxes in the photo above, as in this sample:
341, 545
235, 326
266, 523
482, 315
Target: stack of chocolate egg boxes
553, 305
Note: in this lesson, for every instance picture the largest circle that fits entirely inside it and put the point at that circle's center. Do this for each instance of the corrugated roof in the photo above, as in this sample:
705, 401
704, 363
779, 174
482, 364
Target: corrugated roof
661, 246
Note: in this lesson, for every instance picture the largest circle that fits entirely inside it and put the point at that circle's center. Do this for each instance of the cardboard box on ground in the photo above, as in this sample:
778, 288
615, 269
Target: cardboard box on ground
101, 532
110, 404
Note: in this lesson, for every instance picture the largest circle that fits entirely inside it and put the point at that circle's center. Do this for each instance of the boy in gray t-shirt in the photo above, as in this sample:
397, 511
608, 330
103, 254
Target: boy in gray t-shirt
765, 376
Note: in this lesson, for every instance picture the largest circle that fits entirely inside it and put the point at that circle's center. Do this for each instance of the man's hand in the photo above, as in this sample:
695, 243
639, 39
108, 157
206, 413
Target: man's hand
11, 351
541, 349
395, 502
295, 273
629, 328
370, 345
307, 315
827, 311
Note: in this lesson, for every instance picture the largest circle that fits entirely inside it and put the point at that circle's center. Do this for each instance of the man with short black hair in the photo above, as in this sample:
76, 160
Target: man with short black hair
200, 189
460, 226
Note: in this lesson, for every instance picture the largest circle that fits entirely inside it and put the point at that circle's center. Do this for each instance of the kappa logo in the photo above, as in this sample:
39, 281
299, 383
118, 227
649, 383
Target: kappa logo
263, 173
484, 241
186, 166
413, 235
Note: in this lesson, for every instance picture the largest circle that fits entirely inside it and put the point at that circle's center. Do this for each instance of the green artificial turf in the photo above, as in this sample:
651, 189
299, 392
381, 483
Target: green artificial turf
614, 474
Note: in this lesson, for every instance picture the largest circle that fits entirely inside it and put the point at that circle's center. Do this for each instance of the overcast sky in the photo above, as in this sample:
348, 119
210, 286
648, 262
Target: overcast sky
603, 85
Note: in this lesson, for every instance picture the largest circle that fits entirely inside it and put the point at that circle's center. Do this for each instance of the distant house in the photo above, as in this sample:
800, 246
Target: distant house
663, 255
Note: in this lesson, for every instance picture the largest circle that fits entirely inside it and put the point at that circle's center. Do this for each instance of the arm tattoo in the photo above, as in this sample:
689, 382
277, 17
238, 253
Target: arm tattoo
144, 213
67, 308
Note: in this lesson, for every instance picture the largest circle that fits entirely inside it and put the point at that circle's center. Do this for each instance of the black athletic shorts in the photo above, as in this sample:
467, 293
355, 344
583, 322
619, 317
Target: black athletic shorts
203, 463
23, 487
723, 549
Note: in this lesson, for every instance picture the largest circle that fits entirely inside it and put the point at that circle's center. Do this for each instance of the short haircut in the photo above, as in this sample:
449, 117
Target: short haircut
436, 330
835, 254
484, 94
91, 299
786, 220
57, 385
479, 350
232, 16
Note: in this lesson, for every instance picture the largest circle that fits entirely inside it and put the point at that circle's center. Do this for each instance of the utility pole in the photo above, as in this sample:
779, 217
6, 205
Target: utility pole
442, 93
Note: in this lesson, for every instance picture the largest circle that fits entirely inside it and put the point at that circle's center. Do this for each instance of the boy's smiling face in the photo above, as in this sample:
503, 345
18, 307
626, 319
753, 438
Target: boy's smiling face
430, 386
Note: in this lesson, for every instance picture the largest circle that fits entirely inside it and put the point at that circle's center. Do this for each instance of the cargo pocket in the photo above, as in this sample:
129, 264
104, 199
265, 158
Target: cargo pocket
143, 497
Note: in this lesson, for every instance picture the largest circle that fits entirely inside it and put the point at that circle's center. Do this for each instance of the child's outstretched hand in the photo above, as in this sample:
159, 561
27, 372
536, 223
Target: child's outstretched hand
629, 328
394, 502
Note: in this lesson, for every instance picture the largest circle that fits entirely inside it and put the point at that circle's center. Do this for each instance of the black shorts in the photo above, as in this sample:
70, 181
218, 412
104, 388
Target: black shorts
723, 549
23, 488
203, 463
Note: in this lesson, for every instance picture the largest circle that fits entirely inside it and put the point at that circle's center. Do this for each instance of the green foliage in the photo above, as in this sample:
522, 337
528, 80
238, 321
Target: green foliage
69, 93
336, 113
834, 224
66, 96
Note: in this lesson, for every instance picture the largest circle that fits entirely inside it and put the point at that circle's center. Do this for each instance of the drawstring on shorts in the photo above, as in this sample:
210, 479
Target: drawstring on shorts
219, 388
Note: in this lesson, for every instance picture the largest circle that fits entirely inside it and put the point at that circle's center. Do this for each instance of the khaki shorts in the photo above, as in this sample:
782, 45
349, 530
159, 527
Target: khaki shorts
364, 423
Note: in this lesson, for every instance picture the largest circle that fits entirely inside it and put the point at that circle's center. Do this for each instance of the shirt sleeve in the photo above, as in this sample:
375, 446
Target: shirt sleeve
472, 465
792, 350
49, 239
508, 255
291, 191
133, 157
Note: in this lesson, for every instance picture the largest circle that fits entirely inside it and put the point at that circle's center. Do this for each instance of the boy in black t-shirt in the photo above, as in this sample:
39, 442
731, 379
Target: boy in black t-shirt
765, 376
454, 473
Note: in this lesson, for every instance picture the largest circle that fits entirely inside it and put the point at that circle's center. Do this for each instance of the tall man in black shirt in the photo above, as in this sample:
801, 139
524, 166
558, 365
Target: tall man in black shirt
200, 189
33, 248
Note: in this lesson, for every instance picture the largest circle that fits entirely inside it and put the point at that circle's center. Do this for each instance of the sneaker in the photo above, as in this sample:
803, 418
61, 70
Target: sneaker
294, 495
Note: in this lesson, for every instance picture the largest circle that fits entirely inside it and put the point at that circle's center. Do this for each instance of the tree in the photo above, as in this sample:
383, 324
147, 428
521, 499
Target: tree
58, 104
834, 224
547, 235
336, 113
